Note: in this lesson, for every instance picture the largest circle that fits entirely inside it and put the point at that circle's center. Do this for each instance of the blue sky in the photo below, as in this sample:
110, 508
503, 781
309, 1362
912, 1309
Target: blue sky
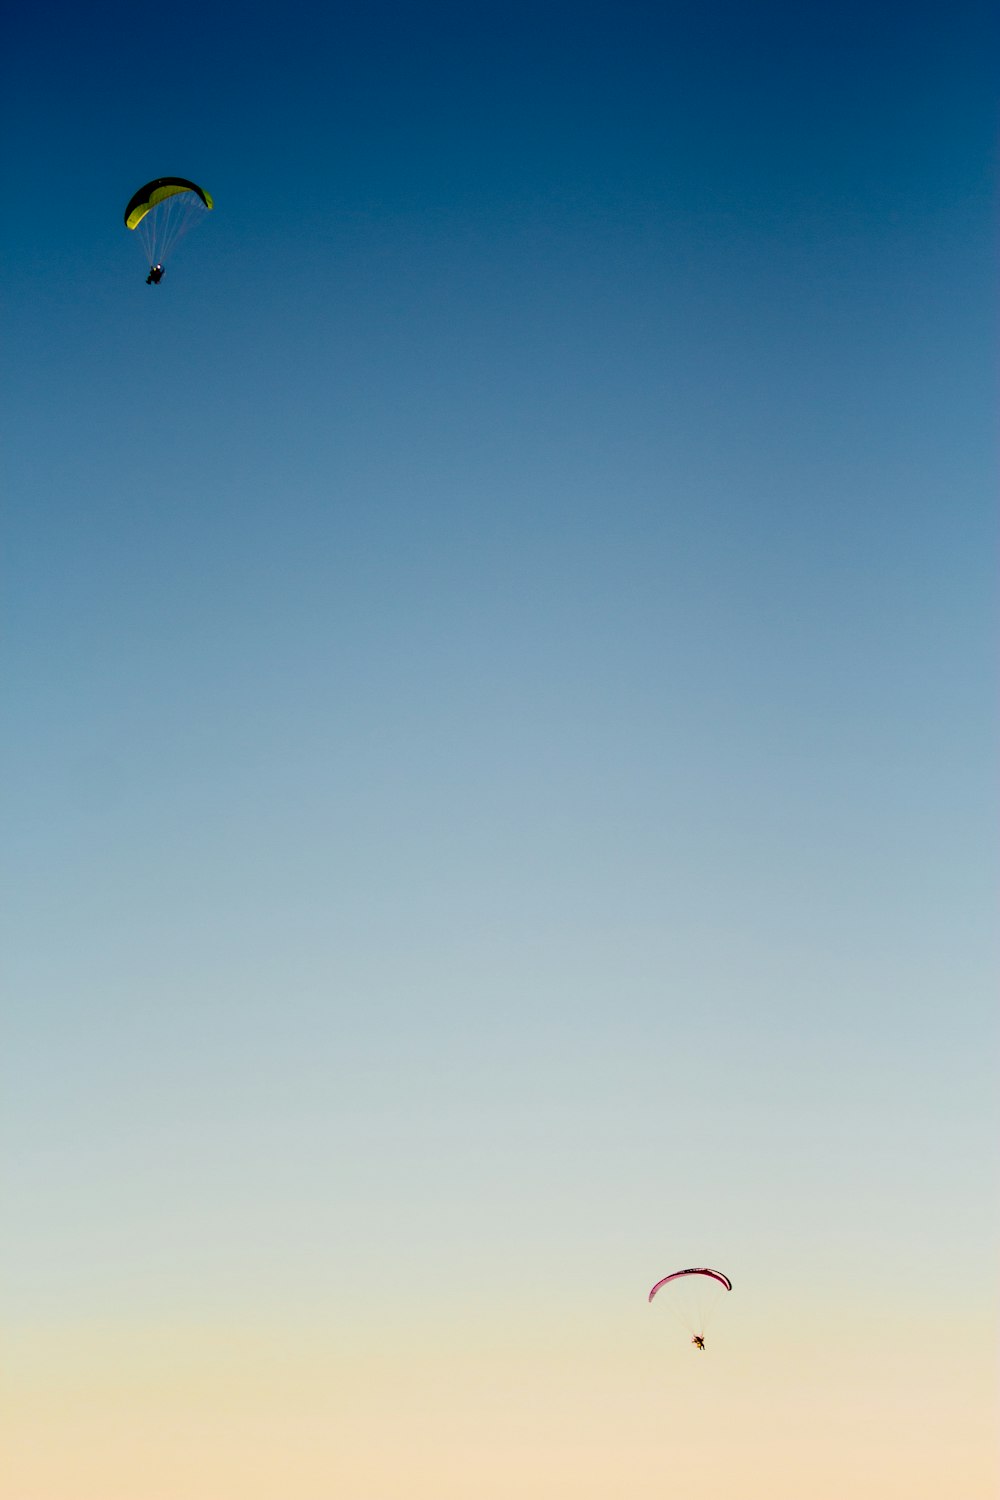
498, 649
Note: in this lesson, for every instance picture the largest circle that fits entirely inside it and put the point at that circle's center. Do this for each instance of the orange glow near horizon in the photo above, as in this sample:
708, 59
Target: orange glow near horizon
542, 1410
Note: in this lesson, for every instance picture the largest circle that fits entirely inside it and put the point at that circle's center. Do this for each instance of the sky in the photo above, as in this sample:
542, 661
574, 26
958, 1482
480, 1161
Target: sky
499, 765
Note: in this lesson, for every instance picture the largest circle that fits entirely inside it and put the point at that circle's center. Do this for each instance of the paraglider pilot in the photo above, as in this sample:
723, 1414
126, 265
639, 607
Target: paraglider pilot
155, 275
698, 1342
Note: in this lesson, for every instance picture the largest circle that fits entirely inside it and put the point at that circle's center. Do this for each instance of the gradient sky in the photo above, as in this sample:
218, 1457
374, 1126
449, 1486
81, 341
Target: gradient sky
499, 753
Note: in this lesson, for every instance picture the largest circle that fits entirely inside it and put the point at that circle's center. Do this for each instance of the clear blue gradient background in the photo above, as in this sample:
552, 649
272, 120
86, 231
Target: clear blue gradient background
499, 656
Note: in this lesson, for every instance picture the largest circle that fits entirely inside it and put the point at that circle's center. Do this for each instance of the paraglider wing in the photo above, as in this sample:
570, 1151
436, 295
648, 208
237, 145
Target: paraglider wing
693, 1271
156, 192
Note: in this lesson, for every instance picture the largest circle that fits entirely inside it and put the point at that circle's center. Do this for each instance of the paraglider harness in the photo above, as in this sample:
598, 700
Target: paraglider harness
155, 275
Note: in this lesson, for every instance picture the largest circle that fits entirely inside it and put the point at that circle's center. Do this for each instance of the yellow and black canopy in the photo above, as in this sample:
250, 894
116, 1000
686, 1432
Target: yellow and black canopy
155, 192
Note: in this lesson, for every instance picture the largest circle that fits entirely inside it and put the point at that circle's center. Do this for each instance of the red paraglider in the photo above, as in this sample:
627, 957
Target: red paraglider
692, 1298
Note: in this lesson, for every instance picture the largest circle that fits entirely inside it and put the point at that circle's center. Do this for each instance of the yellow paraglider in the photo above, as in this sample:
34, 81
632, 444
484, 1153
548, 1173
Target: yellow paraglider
162, 211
